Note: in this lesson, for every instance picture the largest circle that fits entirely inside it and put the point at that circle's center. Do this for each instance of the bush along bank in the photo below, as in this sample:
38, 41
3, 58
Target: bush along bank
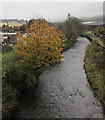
17, 78
94, 60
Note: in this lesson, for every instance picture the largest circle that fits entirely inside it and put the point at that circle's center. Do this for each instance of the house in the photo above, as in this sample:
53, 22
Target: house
22, 21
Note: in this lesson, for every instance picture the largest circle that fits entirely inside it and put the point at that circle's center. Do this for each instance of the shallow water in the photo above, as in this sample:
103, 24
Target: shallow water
63, 90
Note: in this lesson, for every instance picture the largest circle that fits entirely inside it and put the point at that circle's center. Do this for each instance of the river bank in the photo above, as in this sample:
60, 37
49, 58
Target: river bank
94, 60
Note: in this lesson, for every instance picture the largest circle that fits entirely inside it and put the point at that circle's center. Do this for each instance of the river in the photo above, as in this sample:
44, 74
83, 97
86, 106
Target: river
64, 91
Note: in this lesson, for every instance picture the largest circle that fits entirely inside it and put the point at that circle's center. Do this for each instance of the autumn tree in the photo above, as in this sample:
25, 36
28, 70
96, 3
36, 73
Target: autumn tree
41, 44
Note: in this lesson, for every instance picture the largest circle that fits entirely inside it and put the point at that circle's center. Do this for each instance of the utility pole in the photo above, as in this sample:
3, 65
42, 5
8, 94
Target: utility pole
7, 34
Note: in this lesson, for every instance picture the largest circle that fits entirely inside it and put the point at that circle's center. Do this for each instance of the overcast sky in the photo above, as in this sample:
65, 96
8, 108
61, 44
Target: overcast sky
52, 11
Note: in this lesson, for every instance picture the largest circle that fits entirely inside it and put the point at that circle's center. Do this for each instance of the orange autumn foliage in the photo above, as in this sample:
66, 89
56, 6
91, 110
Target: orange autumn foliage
41, 44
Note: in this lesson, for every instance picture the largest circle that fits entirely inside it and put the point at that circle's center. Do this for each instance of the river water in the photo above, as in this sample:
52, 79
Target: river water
64, 91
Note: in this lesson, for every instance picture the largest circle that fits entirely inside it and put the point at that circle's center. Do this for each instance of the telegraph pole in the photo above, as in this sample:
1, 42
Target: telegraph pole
7, 33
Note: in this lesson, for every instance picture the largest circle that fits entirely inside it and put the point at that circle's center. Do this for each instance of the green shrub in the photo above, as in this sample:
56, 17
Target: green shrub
9, 99
17, 77
72, 28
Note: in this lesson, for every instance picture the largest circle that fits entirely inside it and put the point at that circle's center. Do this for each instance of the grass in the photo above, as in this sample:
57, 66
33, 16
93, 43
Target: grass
87, 32
95, 71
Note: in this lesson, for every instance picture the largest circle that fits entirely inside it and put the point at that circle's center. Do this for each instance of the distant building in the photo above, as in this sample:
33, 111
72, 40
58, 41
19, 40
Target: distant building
94, 24
22, 21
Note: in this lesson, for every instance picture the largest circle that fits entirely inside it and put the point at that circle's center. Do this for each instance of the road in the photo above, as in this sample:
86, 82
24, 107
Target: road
64, 91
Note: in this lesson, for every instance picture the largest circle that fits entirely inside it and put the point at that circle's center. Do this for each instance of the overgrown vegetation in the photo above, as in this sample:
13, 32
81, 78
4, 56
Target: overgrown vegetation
94, 65
16, 78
